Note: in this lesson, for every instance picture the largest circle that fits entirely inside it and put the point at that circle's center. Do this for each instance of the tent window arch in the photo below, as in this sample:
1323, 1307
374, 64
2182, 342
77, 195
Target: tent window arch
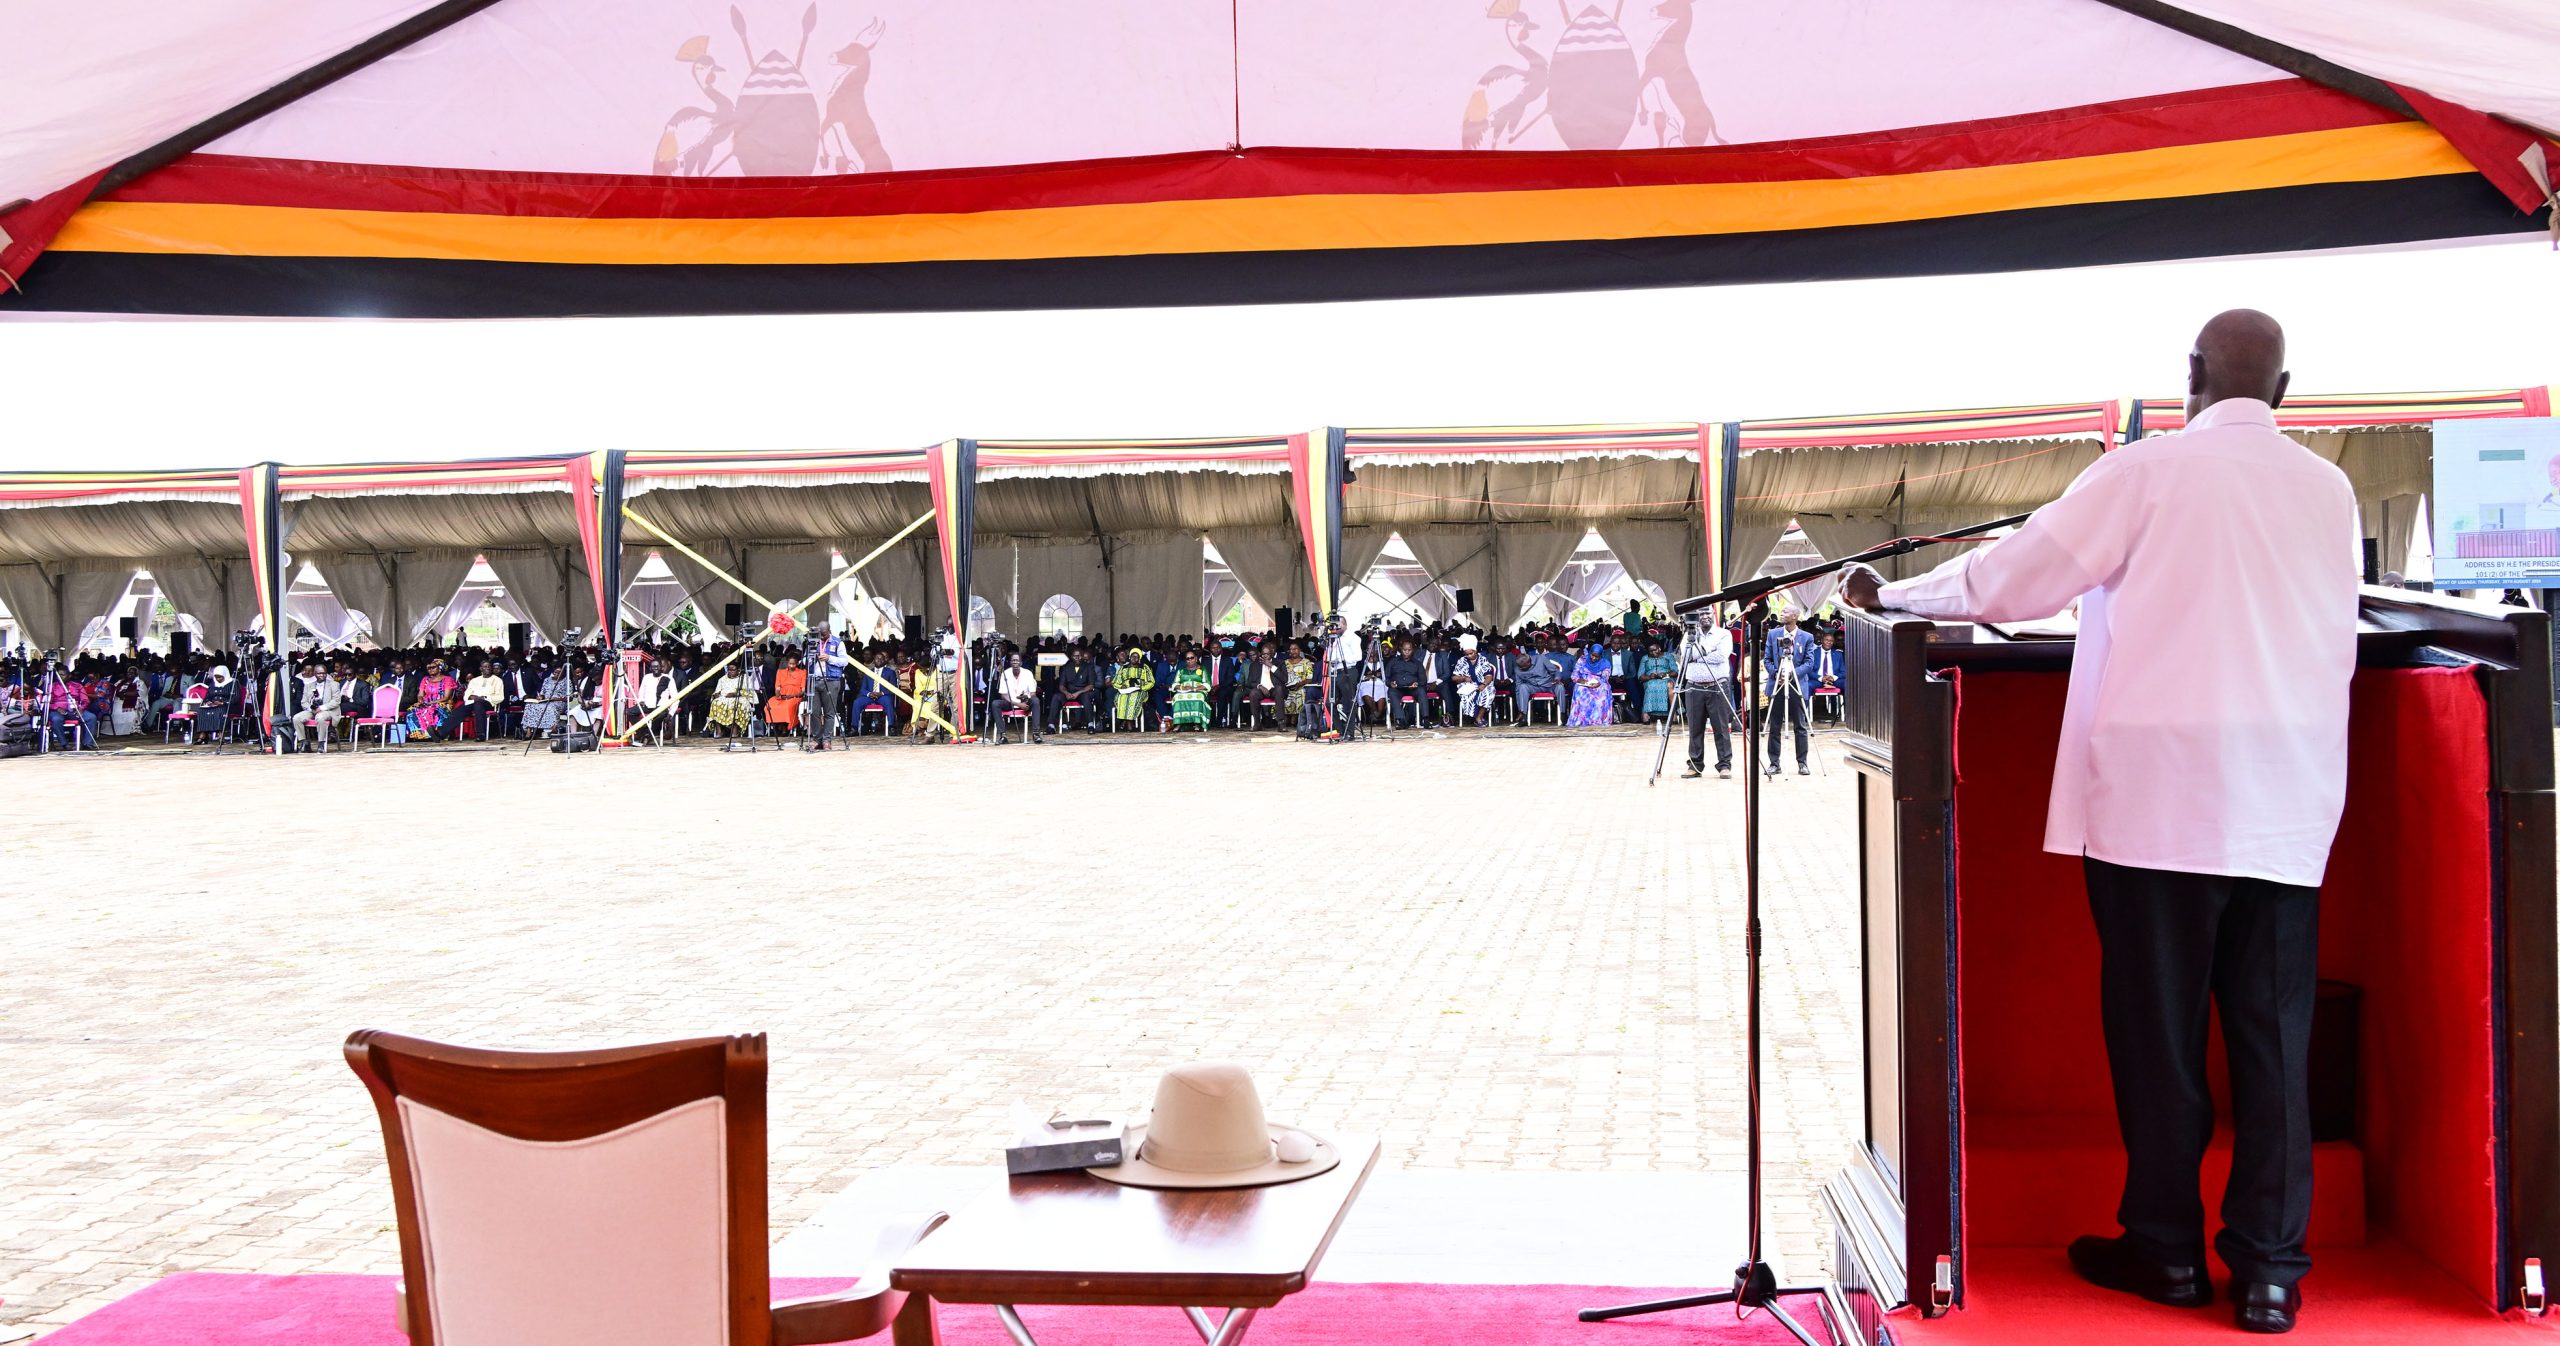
982, 616
1062, 617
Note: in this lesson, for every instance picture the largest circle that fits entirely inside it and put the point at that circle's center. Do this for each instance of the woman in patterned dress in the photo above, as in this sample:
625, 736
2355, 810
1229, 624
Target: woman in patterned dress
1191, 694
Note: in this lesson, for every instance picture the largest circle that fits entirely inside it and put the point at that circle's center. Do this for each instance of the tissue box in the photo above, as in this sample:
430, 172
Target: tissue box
1042, 1147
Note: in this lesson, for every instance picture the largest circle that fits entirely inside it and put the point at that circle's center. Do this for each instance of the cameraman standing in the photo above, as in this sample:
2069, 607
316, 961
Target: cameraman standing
827, 664
1706, 672
1343, 658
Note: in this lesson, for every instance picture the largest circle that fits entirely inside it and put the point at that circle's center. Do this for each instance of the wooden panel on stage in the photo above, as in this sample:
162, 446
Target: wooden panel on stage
2452, 699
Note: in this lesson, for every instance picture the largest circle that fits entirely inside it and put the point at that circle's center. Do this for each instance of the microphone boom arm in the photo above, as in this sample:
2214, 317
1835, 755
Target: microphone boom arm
1752, 590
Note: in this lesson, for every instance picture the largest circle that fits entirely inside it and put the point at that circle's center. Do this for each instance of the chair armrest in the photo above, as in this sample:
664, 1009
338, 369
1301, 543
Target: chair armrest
870, 1306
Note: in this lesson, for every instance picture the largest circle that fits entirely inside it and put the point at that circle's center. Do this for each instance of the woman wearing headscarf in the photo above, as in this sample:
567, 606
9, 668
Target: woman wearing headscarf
1130, 686
1191, 694
1655, 669
1591, 688
542, 713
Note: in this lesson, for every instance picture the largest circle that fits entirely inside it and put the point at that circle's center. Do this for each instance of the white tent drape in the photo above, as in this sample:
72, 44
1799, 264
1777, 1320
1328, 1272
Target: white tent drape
321, 613
89, 594
539, 582
30, 595
2398, 521
711, 594
785, 572
360, 586
1580, 588
217, 593
1016, 576
1217, 594
1524, 557
1754, 537
1155, 585
421, 582
1271, 563
1845, 534
1461, 558
1659, 553
1361, 548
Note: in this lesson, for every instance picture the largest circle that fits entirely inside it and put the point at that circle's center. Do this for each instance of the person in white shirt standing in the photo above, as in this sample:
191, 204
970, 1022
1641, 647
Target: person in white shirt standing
2203, 810
1706, 674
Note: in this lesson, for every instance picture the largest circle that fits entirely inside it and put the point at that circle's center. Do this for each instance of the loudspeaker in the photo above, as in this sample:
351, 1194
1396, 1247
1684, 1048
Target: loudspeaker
733, 616
915, 628
127, 630
181, 644
574, 740
1284, 622
1466, 600
519, 639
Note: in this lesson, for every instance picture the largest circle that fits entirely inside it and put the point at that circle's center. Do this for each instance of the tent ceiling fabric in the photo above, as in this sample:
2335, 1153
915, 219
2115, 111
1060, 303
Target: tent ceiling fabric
1073, 507
548, 157
144, 528
1584, 490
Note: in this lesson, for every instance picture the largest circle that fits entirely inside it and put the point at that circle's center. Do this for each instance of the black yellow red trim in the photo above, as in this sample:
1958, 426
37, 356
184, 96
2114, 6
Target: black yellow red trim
2178, 175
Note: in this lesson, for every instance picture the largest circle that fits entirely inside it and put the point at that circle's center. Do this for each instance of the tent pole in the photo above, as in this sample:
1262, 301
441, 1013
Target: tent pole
2291, 60
291, 89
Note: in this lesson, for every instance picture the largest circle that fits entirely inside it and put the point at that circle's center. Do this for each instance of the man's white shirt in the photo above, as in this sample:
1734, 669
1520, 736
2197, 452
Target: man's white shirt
2206, 727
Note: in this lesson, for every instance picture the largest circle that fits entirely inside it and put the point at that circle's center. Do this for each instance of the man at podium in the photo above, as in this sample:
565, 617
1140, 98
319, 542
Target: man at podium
2203, 809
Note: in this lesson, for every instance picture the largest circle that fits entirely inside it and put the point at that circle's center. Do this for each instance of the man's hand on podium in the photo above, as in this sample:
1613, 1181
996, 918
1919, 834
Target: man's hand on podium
1862, 587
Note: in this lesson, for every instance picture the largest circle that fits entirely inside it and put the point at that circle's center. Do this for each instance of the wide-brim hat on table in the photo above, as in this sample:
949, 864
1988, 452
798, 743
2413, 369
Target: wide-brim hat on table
1207, 1130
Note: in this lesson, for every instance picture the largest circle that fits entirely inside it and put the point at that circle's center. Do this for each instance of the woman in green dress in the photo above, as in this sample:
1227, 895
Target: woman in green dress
1130, 686
1191, 694
1656, 670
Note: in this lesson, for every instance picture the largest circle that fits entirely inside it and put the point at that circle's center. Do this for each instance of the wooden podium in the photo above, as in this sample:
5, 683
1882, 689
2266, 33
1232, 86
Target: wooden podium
1989, 1138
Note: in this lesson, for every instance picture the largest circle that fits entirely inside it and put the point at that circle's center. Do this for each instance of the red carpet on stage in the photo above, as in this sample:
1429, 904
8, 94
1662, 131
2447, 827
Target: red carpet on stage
222, 1310
2404, 1215
2375, 1295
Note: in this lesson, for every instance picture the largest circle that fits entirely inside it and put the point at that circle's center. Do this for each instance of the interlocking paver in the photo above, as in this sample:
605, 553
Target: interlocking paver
1499, 953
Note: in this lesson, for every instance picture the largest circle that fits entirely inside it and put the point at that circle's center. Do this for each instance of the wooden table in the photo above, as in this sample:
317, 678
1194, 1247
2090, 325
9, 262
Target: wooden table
1071, 1238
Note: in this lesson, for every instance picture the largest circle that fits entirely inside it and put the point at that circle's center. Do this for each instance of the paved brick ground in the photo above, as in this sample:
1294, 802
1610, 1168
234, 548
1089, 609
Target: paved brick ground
1496, 953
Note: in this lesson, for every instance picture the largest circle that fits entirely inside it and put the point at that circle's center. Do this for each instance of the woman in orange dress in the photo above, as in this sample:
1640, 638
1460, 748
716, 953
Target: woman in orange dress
790, 683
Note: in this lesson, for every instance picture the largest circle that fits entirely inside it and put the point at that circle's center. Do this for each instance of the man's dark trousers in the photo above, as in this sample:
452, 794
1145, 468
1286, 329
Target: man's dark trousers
1706, 706
827, 702
2172, 944
1788, 704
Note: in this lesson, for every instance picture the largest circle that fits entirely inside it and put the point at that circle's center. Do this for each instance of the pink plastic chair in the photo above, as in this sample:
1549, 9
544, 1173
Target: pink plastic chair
386, 713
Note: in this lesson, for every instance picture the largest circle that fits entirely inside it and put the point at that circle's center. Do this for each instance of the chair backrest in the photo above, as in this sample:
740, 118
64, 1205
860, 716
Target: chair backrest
386, 703
195, 695
614, 1195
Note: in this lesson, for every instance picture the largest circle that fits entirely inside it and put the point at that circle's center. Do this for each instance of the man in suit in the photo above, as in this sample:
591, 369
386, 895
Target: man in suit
1439, 680
1404, 680
1830, 681
1786, 680
2202, 813
1537, 672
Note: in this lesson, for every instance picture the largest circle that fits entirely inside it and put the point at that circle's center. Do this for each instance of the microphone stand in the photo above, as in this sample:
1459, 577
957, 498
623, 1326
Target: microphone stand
1755, 1285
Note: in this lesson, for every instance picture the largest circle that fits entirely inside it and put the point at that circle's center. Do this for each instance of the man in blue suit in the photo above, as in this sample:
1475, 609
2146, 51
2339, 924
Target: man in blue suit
1830, 681
1786, 680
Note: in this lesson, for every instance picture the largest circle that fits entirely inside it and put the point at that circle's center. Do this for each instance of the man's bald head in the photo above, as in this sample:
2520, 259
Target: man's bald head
2238, 354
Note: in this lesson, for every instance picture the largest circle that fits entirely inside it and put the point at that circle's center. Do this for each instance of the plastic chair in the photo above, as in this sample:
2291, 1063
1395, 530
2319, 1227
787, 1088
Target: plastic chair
189, 702
1555, 713
386, 715
867, 710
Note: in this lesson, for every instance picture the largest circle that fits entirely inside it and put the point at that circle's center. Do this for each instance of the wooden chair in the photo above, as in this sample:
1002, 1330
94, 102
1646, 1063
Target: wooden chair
614, 1195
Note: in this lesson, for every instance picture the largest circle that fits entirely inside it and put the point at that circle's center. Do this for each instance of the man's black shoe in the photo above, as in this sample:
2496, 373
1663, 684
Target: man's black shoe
2261, 1307
2108, 1263
1804, 771
1691, 774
